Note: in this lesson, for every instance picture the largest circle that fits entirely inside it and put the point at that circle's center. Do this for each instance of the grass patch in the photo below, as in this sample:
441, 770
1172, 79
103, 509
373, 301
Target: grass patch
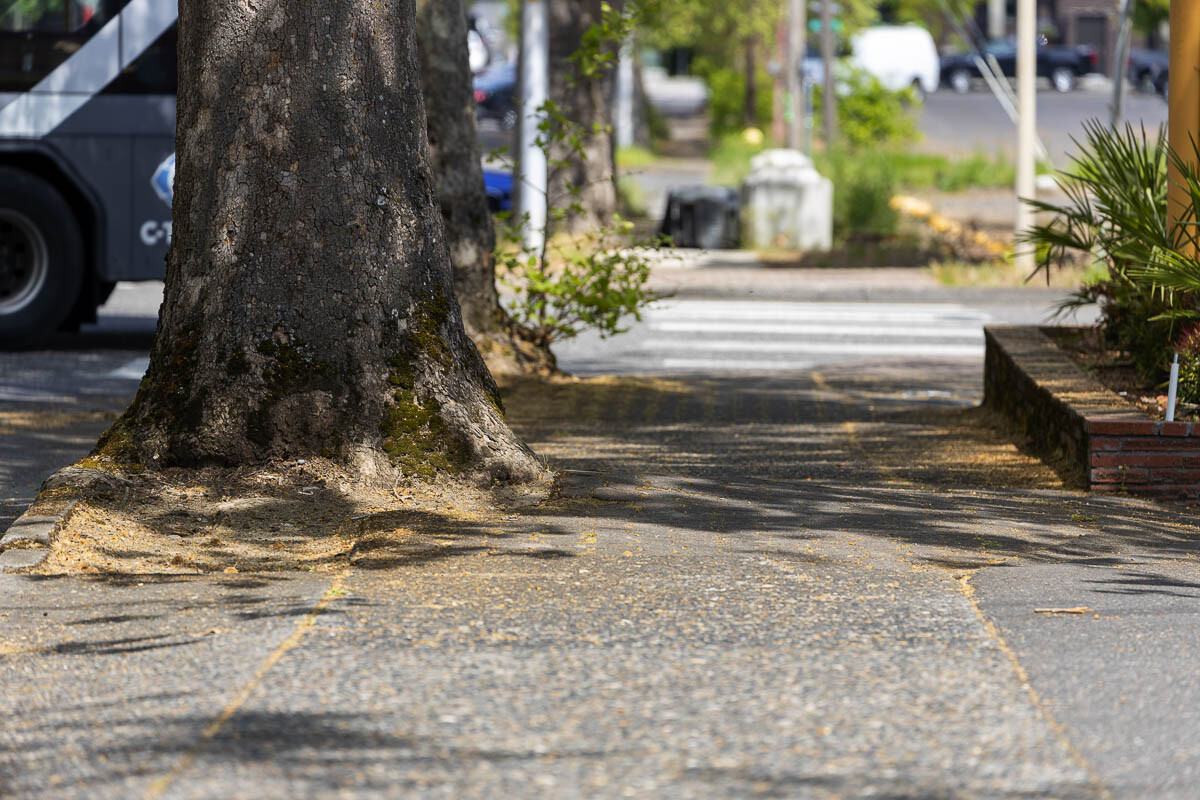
1001, 274
933, 171
730, 158
631, 198
635, 156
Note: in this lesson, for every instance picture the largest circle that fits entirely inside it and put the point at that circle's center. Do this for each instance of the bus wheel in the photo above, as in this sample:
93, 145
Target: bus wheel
41, 258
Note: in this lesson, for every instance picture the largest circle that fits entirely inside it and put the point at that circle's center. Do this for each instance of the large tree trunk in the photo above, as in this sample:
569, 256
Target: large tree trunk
587, 176
455, 159
309, 308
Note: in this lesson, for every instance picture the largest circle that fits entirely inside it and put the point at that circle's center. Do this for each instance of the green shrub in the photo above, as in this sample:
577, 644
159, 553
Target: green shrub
868, 114
730, 158
727, 98
1188, 347
1116, 215
863, 185
596, 282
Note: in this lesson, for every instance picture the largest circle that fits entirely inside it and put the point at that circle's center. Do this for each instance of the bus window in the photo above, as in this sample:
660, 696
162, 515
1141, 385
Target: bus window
153, 72
38, 35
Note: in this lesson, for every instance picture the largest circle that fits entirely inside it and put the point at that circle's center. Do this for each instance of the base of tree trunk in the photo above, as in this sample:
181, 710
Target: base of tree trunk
511, 350
285, 515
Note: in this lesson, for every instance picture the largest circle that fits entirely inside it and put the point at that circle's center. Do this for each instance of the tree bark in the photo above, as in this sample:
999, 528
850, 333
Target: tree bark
309, 308
751, 110
643, 135
586, 178
454, 156
456, 162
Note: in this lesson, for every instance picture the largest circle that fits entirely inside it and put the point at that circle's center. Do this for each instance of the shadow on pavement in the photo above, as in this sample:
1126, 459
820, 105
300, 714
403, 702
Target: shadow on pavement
805, 457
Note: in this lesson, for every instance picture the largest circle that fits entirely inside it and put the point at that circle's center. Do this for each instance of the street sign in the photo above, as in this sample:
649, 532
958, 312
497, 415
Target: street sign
814, 25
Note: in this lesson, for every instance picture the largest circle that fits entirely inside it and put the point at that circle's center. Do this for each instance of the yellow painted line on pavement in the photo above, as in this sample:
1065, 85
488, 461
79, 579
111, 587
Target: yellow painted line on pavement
159, 787
1060, 730
964, 582
851, 429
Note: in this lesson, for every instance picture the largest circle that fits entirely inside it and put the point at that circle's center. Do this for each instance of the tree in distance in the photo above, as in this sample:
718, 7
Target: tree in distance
309, 306
455, 159
582, 159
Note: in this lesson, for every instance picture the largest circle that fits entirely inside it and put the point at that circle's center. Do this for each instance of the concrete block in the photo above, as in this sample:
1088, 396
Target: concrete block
786, 203
30, 529
16, 560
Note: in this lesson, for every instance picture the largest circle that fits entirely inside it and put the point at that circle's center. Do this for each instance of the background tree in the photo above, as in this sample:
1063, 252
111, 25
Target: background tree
942, 18
734, 41
456, 162
309, 307
1148, 19
582, 160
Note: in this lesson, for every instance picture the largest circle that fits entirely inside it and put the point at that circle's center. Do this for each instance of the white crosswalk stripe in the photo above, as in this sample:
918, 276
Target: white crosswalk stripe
761, 336
764, 336
132, 371
817, 330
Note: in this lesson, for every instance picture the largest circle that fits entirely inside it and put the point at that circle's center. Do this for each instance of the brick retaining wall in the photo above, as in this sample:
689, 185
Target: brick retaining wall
1104, 443
1145, 456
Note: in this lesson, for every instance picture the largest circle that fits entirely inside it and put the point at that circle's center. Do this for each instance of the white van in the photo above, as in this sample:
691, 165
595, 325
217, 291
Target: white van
899, 56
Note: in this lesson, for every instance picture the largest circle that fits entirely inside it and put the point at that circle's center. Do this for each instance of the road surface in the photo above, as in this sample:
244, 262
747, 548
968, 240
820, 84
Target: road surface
963, 124
766, 597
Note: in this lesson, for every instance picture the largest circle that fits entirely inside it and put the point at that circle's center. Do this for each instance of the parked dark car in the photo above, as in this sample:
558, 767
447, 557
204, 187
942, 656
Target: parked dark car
1061, 64
1147, 70
496, 95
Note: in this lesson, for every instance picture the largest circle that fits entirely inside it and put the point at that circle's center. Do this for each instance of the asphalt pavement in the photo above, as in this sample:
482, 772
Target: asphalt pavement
962, 124
769, 581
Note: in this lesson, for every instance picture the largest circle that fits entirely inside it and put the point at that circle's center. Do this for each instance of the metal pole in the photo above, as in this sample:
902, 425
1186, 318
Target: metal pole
829, 100
1026, 123
1118, 97
793, 113
997, 19
1183, 114
623, 114
532, 171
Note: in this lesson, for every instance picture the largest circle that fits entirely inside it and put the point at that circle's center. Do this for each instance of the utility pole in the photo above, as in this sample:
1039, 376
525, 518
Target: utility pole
997, 19
1026, 124
1118, 96
1183, 106
623, 95
829, 99
532, 173
793, 114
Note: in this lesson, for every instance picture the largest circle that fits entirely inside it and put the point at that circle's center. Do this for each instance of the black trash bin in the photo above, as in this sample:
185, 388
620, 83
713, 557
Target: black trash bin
702, 216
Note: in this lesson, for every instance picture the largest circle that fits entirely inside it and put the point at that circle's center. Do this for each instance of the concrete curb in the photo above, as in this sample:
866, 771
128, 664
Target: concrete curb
1104, 443
27, 541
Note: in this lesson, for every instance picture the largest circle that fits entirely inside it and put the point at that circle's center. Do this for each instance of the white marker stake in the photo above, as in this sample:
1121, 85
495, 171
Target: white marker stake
1172, 387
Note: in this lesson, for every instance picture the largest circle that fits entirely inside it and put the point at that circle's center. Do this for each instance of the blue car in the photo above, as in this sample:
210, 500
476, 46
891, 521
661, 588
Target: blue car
499, 187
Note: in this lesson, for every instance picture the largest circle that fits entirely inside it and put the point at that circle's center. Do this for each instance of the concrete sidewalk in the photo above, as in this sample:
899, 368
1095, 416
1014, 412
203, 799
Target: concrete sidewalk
806, 585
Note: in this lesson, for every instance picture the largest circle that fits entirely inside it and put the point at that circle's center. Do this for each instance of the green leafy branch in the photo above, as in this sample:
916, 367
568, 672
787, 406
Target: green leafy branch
591, 282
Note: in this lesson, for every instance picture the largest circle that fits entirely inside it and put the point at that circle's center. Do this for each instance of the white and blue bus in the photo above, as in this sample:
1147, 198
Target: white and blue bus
87, 140
87, 161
